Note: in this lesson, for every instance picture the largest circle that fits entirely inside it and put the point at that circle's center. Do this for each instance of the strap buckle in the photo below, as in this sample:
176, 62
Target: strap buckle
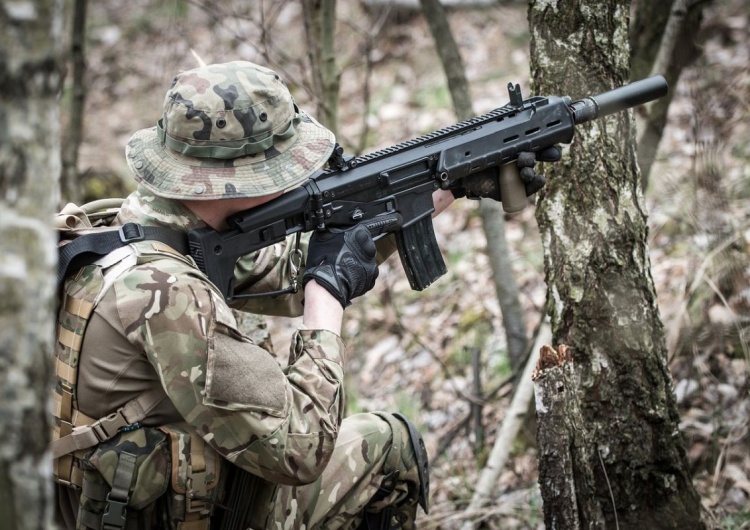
115, 514
131, 232
107, 427
195, 491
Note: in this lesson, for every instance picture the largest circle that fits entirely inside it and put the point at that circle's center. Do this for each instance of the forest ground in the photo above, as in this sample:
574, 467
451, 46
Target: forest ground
408, 350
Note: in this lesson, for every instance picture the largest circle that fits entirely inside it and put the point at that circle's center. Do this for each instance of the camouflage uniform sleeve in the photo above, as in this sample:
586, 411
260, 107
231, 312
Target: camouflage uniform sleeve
268, 270
280, 424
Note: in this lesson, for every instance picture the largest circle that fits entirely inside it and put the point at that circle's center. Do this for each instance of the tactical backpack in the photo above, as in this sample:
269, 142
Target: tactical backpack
126, 475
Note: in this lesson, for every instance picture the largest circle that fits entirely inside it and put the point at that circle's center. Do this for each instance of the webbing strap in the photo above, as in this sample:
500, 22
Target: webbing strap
88, 519
94, 490
64, 371
64, 404
115, 512
87, 248
101, 430
78, 307
123, 477
195, 484
116, 499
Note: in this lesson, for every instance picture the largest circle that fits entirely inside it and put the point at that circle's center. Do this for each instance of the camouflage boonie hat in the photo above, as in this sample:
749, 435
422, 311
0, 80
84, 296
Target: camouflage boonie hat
228, 130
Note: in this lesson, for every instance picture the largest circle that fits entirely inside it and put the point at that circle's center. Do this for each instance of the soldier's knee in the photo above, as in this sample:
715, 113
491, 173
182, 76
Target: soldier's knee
408, 456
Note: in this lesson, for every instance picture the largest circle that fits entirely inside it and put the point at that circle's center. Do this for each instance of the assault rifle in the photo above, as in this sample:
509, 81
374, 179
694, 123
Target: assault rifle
390, 191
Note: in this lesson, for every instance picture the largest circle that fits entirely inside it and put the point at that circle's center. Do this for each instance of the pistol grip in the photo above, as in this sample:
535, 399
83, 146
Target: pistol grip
512, 190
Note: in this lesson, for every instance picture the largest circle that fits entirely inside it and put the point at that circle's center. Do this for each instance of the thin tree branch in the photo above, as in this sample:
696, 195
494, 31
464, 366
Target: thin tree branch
519, 406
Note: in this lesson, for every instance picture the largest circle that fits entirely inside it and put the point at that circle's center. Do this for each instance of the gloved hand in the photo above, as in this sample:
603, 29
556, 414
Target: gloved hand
343, 262
487, 184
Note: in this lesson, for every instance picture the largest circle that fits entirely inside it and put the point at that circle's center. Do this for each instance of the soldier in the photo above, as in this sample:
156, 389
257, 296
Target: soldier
167, 416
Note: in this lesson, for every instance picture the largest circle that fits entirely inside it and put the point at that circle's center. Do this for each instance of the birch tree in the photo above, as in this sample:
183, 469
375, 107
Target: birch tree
628, 459
29, 170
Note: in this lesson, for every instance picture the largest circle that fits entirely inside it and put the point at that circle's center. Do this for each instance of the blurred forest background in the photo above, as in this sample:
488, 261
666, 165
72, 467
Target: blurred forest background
412, 351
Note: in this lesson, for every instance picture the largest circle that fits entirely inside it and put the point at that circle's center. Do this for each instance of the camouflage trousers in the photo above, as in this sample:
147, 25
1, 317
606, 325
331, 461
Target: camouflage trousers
369, 448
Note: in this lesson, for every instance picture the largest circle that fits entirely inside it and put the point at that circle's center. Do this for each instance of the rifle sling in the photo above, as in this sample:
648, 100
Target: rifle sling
86, 249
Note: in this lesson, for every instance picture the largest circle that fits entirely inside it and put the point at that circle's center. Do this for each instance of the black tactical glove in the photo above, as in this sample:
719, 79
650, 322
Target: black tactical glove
343, 262
487, 184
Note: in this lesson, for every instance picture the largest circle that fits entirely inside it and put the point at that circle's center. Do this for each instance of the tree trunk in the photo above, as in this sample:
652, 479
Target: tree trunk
558, 411
29, 171
447, 50
506, 286
507, 433
627, 455
72, 142
658, 51
320, 30
493, 220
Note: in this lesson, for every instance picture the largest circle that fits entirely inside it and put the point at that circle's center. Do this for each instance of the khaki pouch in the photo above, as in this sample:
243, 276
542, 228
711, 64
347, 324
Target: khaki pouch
196, 483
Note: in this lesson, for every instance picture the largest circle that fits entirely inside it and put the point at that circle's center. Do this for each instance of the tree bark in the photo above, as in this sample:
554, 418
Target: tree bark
601, 299
29, 172
558, 413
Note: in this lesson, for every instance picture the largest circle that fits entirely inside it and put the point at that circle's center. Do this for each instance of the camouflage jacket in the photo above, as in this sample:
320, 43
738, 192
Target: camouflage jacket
163, 323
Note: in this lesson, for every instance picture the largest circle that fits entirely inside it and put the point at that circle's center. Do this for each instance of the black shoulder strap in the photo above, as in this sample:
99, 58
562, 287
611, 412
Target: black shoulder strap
88, 248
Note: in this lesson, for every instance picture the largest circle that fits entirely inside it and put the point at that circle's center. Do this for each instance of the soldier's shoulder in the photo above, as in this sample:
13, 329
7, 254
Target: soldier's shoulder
166, 292
157, 265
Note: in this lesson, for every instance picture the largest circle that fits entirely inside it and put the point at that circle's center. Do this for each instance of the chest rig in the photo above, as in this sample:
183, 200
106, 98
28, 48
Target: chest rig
125, 475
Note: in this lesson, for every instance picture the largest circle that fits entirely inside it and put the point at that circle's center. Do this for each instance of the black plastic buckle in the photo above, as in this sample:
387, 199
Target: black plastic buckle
115, 515
130, 232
